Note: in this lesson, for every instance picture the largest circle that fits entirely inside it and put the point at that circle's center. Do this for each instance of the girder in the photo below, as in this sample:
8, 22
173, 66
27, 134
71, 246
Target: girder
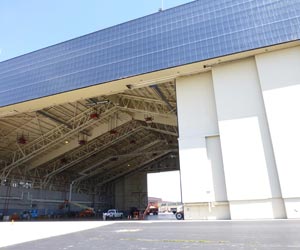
163, 129
97, 145
143, 104
45, 161
151, 114
84, 152
150, 150
164, 98
53, 137
122, 148
169, 162
121, 159
144, 99
50, 173
140, 163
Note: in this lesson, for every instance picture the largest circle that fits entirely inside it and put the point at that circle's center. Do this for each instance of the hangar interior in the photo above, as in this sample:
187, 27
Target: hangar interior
100, 148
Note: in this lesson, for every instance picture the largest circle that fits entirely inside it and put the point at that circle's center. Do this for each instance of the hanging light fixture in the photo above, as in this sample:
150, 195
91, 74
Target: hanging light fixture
149, 119
113, 131
22, 140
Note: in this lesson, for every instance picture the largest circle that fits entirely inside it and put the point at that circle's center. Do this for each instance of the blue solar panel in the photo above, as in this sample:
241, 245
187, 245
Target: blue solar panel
193, 32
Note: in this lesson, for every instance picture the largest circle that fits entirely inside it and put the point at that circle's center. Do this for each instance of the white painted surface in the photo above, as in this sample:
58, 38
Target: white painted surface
251, 95
249, 164
280, 81
292, 208
199, 156
257, 209
244, 160
279, 69
207, 211
283, 107
196, 174
196, 106
214, 155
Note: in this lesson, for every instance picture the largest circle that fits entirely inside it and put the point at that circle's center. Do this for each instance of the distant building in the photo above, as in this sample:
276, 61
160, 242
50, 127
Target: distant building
154, 200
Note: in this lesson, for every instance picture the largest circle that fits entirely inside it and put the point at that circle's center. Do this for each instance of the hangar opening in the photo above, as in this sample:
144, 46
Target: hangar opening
164, 194
62, 160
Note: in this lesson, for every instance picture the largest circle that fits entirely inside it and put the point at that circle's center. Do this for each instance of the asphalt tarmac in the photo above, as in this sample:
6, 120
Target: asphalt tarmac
173, 235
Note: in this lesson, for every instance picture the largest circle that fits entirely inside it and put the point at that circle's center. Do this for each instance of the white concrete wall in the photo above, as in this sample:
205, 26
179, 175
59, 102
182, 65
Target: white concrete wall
201, 166
250, 168
214, 155
207, 211
279, 75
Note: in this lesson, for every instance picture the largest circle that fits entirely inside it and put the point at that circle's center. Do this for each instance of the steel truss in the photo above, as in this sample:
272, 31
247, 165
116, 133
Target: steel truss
122, 160
98, 145
53, 137
148, 106
139, 163
82, 153
56, 174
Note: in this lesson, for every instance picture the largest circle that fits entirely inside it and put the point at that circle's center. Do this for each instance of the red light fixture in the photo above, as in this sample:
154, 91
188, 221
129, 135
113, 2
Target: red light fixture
113, 132
149, 119
94, 116
132, 142
22, 140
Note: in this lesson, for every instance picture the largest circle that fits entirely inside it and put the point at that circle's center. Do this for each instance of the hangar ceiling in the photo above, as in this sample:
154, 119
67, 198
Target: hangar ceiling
91, 142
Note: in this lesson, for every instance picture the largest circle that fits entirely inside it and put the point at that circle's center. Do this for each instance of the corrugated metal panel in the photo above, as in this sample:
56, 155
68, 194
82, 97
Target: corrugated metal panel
192, 32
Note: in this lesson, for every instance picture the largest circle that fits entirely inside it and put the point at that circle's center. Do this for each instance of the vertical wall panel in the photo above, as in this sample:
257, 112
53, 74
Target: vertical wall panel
214, 155
196, 106
250, 168
244, 159
196, 174
197, 119
280, 81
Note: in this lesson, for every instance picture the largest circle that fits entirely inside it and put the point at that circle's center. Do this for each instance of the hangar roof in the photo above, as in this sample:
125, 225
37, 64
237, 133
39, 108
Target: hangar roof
193, 32
91, 142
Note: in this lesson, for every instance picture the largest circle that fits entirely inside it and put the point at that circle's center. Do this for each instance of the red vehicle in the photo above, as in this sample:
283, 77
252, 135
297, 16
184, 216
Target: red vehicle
87, 213
152, 209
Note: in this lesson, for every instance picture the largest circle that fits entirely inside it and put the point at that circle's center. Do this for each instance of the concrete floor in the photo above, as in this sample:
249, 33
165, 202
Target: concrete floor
146, 235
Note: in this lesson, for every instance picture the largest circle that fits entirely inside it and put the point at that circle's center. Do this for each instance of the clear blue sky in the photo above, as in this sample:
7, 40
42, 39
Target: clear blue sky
28, 25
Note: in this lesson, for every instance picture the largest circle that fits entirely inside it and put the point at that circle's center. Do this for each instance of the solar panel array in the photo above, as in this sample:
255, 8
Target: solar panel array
188, 33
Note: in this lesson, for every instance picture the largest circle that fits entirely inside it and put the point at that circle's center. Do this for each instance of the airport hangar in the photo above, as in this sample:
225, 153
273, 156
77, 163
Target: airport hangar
211, 87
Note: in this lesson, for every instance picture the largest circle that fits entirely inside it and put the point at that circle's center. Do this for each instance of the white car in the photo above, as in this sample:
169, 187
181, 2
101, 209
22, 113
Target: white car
114, 213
